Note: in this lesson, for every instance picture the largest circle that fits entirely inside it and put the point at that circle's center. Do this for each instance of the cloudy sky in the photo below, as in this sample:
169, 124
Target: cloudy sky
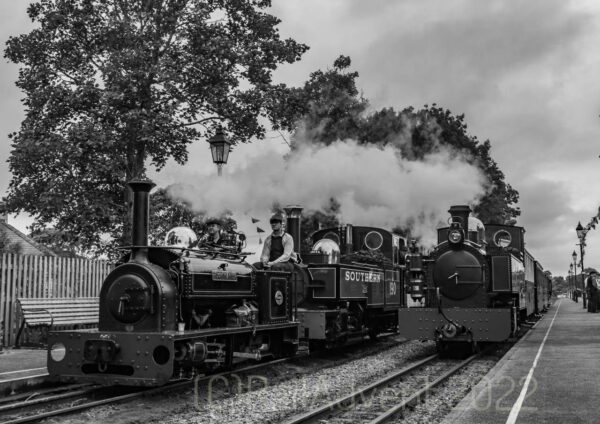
526, 74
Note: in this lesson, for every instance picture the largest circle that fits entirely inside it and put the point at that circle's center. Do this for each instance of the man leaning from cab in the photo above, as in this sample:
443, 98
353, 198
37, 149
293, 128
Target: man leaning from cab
278, 251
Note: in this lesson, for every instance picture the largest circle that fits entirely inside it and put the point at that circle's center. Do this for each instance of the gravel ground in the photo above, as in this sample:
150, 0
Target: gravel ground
446, 396
272, 403
291, 388
184, 405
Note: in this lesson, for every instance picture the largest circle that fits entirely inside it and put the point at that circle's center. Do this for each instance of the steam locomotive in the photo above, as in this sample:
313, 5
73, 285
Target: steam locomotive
173, 311
353, 285
478, 285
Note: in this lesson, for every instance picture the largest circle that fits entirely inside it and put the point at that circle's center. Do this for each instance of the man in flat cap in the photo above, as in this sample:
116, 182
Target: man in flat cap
278, 251
213, 234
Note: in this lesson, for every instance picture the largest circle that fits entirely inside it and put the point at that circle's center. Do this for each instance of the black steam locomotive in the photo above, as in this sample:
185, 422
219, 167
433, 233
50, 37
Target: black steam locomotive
353, 285
478, 284
170, 312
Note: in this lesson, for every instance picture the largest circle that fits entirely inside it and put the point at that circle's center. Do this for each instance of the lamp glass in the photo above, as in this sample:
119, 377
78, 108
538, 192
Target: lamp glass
219, 147
579, 230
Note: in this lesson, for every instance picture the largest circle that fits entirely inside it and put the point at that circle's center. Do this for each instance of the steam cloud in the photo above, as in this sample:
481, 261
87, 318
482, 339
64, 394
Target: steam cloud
373, 185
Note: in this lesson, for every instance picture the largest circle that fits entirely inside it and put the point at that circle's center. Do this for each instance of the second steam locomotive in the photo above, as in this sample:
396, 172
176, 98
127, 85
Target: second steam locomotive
477, 285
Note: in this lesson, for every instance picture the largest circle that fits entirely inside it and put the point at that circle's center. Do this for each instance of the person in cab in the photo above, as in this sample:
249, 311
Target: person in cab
278, 251
214, 235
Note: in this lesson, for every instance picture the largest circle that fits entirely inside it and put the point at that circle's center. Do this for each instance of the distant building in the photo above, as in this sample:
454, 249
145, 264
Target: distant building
16, 241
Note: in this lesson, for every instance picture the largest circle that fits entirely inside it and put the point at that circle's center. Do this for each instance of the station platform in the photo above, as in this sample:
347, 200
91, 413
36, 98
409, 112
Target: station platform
21, 367
552, 375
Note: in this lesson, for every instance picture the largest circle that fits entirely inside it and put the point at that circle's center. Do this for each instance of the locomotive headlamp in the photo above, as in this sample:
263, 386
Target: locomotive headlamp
455, 236
327, 247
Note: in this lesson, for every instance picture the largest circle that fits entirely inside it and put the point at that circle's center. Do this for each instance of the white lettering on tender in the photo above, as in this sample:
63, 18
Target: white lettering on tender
363, 277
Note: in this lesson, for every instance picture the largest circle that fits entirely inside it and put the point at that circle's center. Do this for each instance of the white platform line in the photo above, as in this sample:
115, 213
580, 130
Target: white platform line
514, 412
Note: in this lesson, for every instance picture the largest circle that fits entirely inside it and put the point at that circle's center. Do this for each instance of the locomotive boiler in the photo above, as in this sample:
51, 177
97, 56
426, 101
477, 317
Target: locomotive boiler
171, 311
477, 285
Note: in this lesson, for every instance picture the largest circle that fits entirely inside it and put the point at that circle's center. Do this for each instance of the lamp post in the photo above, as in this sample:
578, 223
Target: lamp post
574, 256
581, 233
219, 148
571, 281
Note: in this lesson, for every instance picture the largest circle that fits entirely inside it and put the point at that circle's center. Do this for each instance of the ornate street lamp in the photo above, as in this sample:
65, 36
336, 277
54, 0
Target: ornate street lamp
580, 231
574, 256
219, 148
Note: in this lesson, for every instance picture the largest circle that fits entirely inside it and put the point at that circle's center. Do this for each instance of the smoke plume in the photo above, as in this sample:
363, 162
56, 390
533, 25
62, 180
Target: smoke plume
373, 185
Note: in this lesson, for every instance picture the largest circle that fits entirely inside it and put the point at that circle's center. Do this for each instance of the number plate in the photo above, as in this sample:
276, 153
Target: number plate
224, 276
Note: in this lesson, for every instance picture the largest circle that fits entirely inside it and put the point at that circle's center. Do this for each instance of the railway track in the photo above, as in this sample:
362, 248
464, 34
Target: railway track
387, 397
32, 407
13, 381
44, 403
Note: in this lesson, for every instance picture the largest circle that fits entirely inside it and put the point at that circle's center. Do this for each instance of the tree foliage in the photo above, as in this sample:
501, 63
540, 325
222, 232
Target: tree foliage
560, 285
330, 105
112, 85
8, 246
57, 241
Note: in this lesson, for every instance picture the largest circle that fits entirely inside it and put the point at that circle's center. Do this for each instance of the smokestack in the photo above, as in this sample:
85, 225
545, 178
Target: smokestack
461, 212
349, 248
294, 214
140, 218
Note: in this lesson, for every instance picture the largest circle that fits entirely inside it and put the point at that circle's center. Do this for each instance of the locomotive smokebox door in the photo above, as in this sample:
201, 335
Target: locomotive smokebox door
273, 289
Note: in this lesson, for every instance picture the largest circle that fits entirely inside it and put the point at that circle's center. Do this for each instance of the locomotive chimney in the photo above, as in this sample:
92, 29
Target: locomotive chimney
294, 213
349, 248
461, 212
140, 217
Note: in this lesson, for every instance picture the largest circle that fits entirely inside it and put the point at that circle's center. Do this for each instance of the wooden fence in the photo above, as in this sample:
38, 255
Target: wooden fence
44, 276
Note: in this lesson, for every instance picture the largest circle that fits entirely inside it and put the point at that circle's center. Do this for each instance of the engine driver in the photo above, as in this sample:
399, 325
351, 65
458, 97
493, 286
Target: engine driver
278, 251
213, 234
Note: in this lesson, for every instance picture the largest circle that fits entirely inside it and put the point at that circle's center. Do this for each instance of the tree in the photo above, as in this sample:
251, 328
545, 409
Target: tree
329, 107
559, 285
112, 85
58, 241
